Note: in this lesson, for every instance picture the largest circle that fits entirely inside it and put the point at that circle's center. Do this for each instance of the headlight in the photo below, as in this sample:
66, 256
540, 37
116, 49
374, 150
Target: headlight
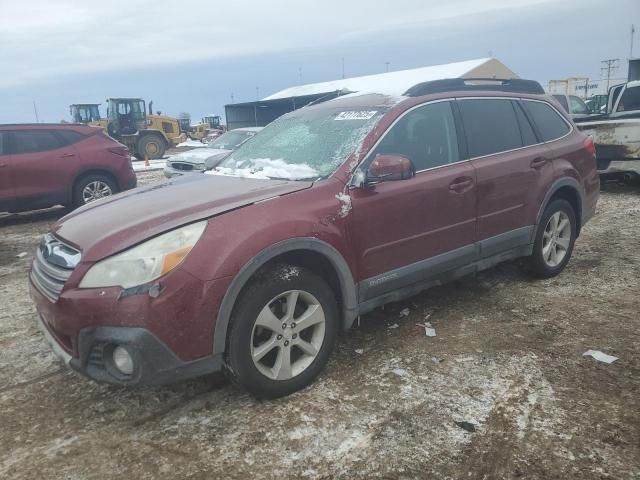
145, 262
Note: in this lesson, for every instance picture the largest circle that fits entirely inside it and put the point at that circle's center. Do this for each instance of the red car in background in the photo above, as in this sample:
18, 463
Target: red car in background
42, 165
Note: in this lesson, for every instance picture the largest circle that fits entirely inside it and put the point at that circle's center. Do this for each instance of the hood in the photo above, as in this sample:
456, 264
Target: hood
198, 155
115, 223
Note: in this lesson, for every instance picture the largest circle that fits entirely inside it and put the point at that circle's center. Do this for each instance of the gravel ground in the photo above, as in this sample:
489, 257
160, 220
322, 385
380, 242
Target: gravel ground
507, 359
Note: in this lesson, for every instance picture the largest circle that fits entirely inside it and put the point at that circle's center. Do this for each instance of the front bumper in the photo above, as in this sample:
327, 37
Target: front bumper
169, 337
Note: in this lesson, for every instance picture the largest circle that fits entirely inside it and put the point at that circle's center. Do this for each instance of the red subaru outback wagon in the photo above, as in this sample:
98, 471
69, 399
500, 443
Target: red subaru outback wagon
42, 165
327, 213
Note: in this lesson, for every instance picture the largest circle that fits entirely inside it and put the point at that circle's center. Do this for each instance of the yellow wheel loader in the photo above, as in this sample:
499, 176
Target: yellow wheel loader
146, 136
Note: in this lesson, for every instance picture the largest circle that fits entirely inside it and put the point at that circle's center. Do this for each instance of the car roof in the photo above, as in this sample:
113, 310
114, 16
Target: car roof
43, 126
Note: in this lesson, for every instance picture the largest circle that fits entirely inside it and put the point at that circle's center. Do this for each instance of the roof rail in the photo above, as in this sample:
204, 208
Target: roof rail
515, 85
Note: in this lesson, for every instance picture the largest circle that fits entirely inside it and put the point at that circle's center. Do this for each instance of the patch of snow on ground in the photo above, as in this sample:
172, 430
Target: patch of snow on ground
345, 204
139, 166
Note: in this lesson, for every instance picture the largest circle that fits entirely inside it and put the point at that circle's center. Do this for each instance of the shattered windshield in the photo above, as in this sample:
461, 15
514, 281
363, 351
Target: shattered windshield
304, 145
231, 140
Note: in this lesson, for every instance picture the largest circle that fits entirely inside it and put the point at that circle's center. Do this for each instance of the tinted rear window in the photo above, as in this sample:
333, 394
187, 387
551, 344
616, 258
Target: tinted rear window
630, 100
490, 126
69, 136
35, 141
549, 122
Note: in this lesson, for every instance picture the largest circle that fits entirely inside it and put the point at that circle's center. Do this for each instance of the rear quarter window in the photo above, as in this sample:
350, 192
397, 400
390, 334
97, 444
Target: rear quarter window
550, 123
69, 137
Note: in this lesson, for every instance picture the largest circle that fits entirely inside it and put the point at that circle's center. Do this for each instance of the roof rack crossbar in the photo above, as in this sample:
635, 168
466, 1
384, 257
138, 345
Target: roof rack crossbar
515, 85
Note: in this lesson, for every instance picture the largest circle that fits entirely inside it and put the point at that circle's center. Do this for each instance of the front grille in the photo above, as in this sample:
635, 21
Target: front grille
52, 266
182, 166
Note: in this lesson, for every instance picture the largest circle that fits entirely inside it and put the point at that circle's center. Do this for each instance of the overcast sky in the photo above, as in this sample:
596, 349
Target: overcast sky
57, 52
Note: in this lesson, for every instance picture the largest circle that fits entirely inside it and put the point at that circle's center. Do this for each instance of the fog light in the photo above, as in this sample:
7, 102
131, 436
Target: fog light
122, 360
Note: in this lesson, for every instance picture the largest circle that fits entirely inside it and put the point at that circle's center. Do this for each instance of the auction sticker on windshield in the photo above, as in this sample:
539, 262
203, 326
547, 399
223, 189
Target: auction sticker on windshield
356, 115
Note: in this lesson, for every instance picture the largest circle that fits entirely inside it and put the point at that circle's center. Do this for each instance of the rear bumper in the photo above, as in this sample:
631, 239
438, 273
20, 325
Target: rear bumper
619, 167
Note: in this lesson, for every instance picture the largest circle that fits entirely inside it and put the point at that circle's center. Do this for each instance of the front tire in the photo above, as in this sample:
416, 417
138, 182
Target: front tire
554, 240
151, 147
282, 332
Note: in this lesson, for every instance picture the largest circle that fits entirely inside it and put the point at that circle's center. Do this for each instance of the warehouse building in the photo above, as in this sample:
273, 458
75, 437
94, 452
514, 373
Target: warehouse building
260, 113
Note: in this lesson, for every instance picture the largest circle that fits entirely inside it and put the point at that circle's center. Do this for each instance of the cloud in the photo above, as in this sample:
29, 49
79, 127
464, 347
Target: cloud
43, 39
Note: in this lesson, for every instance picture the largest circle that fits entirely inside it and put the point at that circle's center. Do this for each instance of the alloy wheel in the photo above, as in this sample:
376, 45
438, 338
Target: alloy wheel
95, 190
287, 335
556, 239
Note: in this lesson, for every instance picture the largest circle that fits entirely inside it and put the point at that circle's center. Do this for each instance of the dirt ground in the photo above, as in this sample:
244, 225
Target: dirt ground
507, 359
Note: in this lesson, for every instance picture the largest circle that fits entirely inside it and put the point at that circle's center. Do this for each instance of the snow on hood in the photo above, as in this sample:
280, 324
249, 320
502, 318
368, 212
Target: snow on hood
199, 155
269, 168
191, 143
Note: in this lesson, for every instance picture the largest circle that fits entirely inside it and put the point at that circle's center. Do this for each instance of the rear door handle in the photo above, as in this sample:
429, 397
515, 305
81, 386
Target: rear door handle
539, 162
3, 165
67, 155
461, 184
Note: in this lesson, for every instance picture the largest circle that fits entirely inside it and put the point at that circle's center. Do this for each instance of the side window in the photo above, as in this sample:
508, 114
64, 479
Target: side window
526, 130
426, 136
577, 105
490, 125
563, 101
35, 141
630, 100
69, 137
2, 143
549, 122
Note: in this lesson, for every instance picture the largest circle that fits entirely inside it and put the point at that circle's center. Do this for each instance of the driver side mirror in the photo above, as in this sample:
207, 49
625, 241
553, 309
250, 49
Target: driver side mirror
386, 168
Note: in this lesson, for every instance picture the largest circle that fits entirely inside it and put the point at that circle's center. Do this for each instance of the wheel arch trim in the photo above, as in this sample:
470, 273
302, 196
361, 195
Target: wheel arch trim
347, 284
557, 185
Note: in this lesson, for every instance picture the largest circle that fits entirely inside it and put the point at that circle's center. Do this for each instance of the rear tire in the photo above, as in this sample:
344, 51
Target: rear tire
268, 353
554, 240
92, 187
150, 146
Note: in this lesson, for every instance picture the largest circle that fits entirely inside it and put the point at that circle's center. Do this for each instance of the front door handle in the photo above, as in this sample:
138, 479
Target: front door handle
67, 155
3, 165
461, 184
539, 162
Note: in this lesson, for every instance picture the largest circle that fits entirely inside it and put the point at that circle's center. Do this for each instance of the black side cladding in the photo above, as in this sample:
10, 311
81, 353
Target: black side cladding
515, 85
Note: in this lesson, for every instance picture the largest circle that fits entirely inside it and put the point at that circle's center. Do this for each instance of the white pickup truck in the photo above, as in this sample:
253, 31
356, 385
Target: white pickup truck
616, 133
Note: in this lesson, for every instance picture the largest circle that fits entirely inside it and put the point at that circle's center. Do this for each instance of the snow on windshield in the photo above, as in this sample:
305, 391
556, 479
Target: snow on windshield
267, 168
304, 145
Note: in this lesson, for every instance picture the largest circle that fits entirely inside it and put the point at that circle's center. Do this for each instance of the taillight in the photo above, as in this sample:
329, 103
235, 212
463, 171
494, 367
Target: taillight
589, 146
122, 151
